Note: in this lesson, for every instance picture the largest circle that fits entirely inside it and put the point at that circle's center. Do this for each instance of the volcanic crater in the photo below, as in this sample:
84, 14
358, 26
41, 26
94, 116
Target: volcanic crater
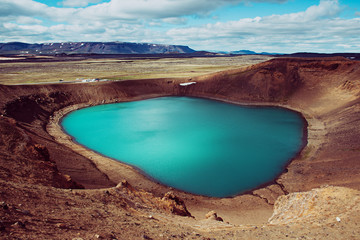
54, 188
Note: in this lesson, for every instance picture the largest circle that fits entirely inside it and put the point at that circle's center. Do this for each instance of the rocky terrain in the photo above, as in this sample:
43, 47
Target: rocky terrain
91, 48
52, 188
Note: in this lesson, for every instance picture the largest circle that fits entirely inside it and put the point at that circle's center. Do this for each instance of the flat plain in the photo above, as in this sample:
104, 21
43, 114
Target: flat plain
55, 69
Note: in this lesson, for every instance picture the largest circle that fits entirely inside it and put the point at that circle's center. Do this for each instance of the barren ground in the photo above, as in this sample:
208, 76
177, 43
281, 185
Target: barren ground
42, 171
118, 68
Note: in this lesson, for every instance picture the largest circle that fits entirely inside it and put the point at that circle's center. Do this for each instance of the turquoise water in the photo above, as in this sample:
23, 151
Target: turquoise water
196, 145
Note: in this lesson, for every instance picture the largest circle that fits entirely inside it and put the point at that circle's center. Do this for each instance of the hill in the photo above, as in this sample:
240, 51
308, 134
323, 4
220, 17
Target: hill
246, 52
352, 56
91, 47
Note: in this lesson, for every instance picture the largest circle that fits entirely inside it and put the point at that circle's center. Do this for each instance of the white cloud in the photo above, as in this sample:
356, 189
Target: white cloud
30, 8
21, 8
78, 3
117, 9
318, 28
28, 20
175, 21
145, 9
34, 29
326, 9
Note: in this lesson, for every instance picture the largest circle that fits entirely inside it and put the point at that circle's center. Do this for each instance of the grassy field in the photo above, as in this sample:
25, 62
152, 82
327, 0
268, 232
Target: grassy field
119, 69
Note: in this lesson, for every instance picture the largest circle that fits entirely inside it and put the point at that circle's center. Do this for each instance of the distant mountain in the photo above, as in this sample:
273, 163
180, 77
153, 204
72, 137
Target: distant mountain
352, 56
243, 52
246, 52
91, 48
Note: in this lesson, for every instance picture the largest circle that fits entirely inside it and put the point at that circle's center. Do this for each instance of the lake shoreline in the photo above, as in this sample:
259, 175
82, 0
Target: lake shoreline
136, 177
140, 171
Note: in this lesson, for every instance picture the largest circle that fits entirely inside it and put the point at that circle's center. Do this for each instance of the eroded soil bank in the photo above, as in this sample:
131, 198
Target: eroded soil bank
35, 151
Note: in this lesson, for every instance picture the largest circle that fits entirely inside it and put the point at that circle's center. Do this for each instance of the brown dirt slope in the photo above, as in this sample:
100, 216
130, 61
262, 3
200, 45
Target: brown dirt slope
36, 169
326, 91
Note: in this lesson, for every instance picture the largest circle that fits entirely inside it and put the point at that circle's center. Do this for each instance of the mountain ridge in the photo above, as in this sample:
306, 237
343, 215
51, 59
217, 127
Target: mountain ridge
91, 47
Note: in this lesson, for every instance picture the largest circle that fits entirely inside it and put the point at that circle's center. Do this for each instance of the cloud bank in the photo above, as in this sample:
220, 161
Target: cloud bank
318, 28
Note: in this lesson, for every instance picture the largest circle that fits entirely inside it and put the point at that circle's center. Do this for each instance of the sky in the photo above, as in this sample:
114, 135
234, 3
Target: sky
276, 26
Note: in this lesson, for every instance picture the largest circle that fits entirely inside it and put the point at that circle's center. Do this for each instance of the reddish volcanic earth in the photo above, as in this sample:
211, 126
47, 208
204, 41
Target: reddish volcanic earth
53, 188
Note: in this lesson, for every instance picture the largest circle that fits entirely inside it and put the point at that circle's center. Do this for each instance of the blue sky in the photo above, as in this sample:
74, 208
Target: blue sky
283, 26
